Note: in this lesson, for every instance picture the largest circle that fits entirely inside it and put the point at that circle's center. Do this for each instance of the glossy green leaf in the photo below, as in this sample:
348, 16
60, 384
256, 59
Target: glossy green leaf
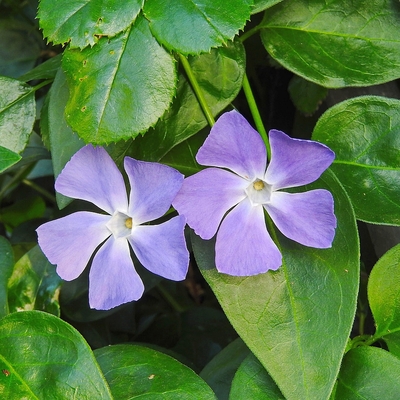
42, 357
34, 284
282, 315
114, 93
384, 293
363, 132
219, 372
252, 381
83, 22
194, 27
261, 5
7, 158
156, 375
17, 114
220, 75
336, 44
6, 268
369, 373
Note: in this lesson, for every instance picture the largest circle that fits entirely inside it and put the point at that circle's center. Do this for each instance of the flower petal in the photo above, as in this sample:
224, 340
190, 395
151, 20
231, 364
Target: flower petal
307, 217
244, 246
113, 279
295, 162
92, 175
69, 242
162, 248
206, 196
234, 144
153, 187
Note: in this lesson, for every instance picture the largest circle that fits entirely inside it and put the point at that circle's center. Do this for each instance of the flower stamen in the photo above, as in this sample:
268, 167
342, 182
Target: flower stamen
128, 223
258, 185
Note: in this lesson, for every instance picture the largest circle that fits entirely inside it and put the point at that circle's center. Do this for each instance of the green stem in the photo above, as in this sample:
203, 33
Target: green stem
255, 113
197, 89
170, 299
249, 33
40, 190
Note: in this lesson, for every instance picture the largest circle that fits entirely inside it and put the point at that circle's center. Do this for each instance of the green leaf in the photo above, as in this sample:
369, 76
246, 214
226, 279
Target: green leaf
17, 114
194, 27
363, 132
156, 375
261, 5
252, 381
384, 293
42, 357
6, 268
306, 96
219, 372
34, 284
83, 22
114, 93
369, 373
282, 315
335, 44
220, 75
46, 70
7, 158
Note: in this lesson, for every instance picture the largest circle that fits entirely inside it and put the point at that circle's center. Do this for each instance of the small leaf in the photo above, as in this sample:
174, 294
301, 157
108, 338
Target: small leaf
281, 315
17, 114
252, 381
261, 5
335, 44
219, 372
363, 132
194, 27
155, 375
34, 284
45, 358
220, 75
83, 22
46, 70
7, 158
384, 293
6, 268
114, 93
369, 373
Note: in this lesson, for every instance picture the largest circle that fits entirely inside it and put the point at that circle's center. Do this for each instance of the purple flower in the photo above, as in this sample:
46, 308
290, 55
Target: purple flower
238, 198
69, 242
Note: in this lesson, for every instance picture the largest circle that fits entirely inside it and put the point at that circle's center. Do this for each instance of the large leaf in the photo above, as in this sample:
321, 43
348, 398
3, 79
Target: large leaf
384, 297
6, 268
220, 76
155, 375
17, 114
120, 87
296, 320
260, 5
252, 381
364, 133
194, 27
34, 284
42, 357
369, 373
7, 158
83, 22
336, 43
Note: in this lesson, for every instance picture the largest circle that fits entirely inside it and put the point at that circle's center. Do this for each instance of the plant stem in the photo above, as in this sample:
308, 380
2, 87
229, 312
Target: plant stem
40, 190
170, 299
249, 33
255, 113
197, 89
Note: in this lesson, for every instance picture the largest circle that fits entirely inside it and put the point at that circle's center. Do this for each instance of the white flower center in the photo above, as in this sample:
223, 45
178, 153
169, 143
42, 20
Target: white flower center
259, 192
120, 225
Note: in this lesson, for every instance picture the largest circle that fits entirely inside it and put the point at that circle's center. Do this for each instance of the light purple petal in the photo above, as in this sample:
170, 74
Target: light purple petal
295, 162
307, 217
244, 247
234, 144
153, 187
69, 242
162, 248
205, 198
92, 175
113, 279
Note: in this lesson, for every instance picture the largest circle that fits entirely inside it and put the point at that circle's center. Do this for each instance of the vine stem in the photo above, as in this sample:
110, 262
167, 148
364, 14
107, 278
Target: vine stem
197, 89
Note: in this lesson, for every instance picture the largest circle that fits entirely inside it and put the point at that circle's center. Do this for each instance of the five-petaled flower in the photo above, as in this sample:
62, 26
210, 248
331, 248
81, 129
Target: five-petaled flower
238, 198
70, 241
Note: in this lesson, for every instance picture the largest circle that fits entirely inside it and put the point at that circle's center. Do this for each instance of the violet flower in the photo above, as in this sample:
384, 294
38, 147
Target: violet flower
69, 242
238, 198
